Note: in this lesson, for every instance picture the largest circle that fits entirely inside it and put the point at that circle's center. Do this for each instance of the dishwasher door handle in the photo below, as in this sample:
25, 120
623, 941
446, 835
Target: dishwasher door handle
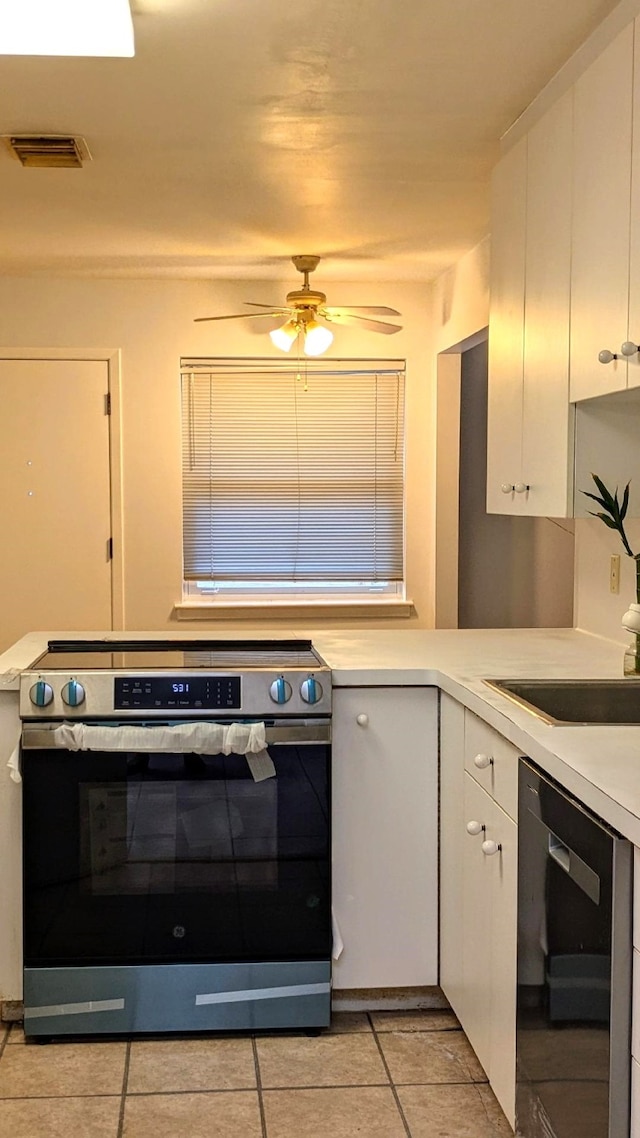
584, 877
560, 853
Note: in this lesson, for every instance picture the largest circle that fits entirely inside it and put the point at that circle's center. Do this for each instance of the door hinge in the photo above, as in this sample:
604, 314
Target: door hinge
107, 403
109, 549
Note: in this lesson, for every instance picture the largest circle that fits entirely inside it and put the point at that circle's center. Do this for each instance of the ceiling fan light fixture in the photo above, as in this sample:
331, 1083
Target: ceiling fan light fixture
67, 27
317, 338
284, 336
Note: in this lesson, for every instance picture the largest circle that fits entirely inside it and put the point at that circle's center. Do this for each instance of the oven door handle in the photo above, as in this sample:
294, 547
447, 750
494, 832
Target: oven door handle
294, 733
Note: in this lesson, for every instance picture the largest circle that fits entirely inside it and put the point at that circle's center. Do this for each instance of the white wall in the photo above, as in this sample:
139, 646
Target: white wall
152, 323
461, 299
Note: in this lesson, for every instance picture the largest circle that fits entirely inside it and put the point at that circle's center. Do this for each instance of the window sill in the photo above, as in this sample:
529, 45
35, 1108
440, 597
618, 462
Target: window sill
248, 610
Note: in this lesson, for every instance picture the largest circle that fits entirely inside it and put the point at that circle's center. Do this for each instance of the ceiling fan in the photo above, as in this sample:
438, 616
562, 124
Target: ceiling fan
303, 307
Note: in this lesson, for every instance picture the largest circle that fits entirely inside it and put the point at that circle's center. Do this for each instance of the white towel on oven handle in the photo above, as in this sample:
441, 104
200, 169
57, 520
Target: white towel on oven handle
182, 738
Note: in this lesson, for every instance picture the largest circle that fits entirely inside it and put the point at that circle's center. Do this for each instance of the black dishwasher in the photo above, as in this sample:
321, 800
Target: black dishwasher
574, 967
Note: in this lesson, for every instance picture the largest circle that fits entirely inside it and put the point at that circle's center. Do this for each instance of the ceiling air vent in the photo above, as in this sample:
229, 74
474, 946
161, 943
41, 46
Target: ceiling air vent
48, 149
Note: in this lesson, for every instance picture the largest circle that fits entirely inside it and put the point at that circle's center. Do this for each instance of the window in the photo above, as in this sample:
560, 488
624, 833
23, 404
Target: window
293, 478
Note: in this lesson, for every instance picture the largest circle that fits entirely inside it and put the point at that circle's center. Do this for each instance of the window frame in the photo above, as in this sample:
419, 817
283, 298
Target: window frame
296, 594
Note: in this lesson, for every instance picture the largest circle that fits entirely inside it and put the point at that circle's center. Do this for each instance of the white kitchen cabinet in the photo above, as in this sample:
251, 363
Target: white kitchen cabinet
530, 421
479, 895
634, 1132
506, 327
633, 326
385, 836
635, 1014
602, 157
492, 761
452, 847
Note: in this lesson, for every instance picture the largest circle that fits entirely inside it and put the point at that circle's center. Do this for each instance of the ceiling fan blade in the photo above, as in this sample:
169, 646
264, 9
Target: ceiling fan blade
256, 304
362, 322
242, 315
364, 309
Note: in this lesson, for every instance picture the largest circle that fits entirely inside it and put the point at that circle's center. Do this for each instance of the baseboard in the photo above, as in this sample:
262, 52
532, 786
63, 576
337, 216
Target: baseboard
342, 1000
387, 999
11, 1011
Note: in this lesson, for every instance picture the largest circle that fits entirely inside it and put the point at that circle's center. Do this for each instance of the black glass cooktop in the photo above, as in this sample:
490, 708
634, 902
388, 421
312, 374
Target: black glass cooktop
134, 655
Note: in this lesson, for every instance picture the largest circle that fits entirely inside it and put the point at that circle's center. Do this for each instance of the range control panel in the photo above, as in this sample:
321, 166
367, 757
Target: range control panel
105, 694
171, 693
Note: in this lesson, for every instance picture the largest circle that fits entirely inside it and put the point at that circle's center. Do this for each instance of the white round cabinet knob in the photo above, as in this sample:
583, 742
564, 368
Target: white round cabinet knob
520, 487
482, 762
629, 348
362, 720
490, 847
606, 357
507, 487
475, 828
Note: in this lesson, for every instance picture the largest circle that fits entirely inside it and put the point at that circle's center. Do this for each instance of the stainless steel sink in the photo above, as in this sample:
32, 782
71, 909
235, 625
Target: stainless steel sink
566, 702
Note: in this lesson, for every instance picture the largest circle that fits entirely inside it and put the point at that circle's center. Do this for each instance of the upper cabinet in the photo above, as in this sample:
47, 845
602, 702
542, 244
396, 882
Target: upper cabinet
633, 328
602, 170
565, 290
506, 327
530, 423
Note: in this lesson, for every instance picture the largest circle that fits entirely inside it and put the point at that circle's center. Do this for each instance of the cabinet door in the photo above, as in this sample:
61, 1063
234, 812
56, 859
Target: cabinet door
547, 423
506, 324
452, 850
601, 216
635, 1099
504, 924
385, 836
489, 942
477, 921
633, 330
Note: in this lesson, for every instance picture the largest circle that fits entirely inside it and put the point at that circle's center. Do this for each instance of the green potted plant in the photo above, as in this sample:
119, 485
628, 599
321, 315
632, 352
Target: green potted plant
612, 513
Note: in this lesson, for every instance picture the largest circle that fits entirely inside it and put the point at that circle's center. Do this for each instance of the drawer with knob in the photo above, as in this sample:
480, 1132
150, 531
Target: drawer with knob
492, 761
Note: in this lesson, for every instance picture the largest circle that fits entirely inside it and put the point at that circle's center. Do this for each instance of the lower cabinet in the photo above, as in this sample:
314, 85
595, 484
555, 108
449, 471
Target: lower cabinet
385, 836
634, 1098
478, 900
635, 1015
489, 927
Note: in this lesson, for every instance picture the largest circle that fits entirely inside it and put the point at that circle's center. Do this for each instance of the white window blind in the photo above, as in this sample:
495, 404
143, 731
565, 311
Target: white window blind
293, 473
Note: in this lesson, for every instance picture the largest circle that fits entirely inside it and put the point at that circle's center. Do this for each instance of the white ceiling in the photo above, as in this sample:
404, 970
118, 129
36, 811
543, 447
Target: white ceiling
247, 130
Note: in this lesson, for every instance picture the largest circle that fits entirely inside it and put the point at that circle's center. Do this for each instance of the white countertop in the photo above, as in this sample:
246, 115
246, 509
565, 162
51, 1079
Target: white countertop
600, 765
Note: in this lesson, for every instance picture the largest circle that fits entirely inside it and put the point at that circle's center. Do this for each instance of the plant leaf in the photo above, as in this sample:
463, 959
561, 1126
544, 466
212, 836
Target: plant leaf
610, 504
594, 498
625, 502
608, 521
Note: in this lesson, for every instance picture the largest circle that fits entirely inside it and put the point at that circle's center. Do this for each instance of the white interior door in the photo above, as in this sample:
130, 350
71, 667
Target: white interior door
55, 507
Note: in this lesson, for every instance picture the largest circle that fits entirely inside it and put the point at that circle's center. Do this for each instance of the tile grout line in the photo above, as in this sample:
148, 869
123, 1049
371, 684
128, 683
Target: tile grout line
256, 1063
391, 1082
486, 1112
243, 1090
123, 1093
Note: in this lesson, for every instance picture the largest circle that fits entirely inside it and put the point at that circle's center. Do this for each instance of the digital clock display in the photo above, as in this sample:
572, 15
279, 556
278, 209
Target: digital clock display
176, 693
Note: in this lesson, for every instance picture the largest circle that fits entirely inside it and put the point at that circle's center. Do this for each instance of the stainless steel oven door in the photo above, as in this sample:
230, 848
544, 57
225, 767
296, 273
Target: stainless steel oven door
135, 858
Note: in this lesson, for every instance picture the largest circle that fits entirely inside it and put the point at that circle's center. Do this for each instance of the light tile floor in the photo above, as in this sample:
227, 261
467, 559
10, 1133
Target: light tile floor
373, 1075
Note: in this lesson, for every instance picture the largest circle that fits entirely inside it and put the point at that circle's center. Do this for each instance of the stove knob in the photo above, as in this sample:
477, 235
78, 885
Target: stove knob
280, 691
73, 693
41, 694
311, 690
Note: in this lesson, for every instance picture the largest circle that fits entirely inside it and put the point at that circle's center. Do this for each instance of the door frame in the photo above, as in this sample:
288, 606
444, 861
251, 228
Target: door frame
448, 388
112, 357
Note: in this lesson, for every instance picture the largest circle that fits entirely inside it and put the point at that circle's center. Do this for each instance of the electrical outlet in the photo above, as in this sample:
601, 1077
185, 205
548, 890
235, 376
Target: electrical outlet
614, 573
